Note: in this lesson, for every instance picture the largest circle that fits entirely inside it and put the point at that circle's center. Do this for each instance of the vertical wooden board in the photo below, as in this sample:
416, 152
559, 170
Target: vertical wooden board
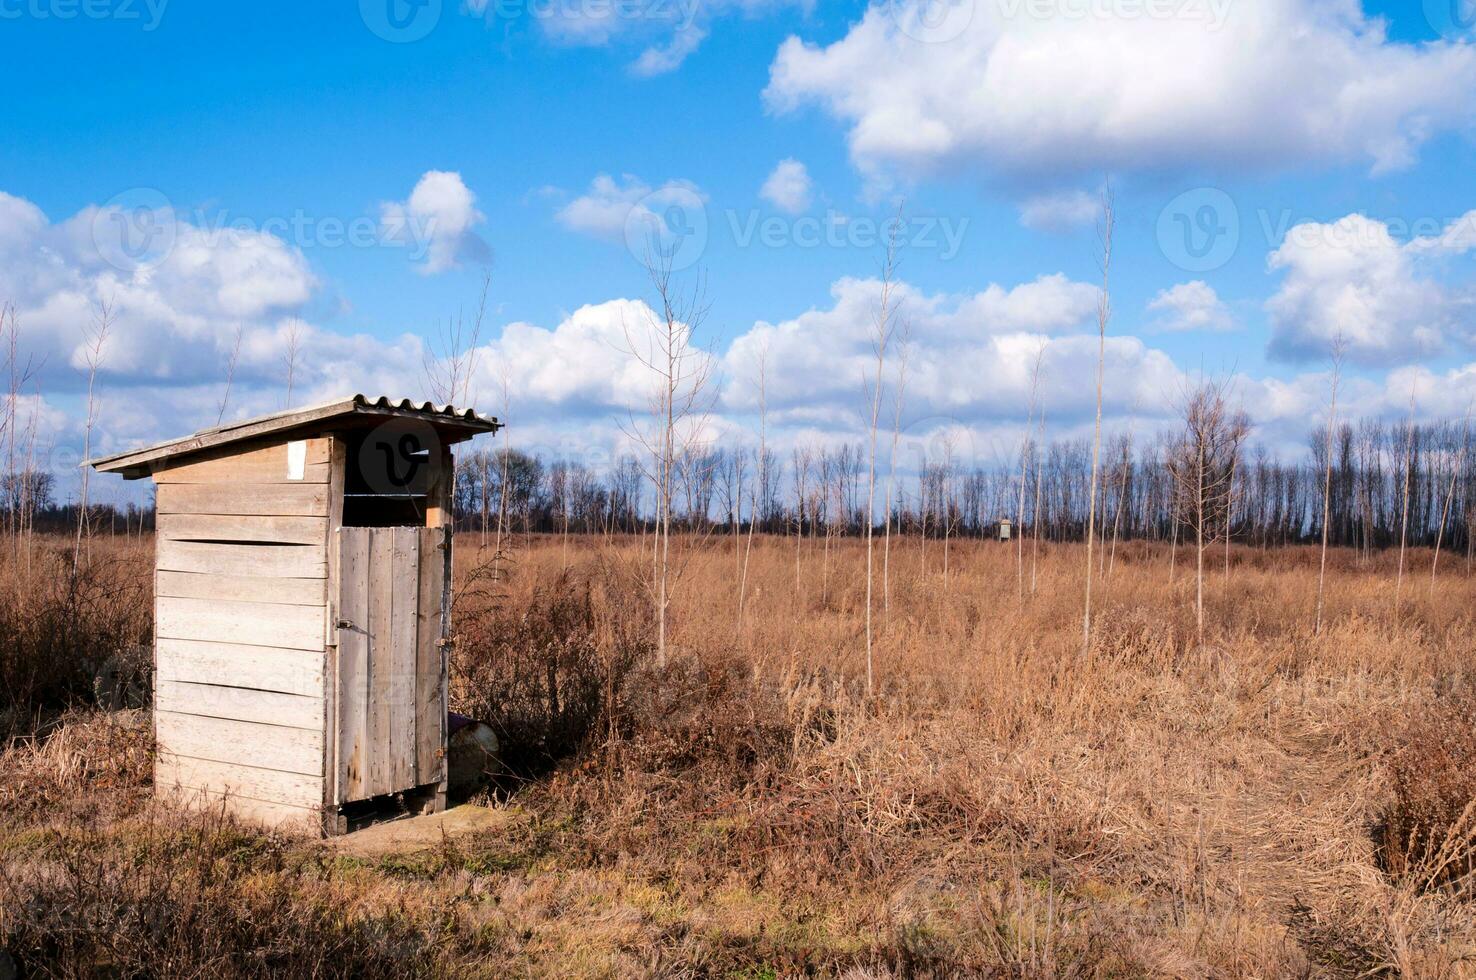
353, 665
404, 593
430, 721
381, 661
448, 565
334, 501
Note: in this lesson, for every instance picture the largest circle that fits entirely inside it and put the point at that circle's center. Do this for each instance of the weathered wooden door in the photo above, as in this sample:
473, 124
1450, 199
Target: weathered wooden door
393, 606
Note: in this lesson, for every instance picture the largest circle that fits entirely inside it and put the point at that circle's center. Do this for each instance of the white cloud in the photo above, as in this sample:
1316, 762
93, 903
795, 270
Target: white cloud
660, 59
788, 187
670, 31
1033, 95
437, 221
583, 365
1058, 212
1190, 306
174, 307
616, 210
970, 357
1352, 279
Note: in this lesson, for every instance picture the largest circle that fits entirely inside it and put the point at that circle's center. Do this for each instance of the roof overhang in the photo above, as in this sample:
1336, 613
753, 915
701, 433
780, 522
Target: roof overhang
451, 424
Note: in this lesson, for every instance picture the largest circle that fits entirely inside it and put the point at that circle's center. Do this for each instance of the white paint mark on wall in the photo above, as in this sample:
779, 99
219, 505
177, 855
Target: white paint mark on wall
296, 459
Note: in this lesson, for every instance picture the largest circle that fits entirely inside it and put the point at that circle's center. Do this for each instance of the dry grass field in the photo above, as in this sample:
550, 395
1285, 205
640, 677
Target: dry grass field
1276, 803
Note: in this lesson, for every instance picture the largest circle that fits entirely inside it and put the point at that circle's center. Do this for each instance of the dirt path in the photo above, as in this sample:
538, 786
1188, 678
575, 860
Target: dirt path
413, 834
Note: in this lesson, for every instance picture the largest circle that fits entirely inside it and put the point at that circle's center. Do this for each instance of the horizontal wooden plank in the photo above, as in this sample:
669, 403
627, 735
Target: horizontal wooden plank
243, 743
261, 668
256, 499
201, 585
239, 703
267, 624
281, 818
252, 560
267, 464
228, 528
265, 785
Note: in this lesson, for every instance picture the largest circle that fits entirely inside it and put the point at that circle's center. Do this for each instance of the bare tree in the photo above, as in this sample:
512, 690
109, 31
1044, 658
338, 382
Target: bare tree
762, 476
665, 346
899, 389
294, 347
1104, 313
1455, 471
802, 459
18, 474
451, 361
1027, 451
1200, 467
881, 336
102, 322
1124, 474
1332, 416
225, 397
1035, 517
1409, 429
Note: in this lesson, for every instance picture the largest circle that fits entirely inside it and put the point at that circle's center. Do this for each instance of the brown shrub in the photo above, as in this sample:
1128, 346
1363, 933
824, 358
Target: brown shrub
91, 755
547, 673
1427, 836
197, 897
68, 642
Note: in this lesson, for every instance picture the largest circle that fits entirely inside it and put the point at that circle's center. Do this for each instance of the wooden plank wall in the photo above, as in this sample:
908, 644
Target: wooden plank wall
391, 683
241, 618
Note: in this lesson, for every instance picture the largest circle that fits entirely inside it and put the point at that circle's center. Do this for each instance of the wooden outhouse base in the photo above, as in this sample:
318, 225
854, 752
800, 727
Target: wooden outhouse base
305, 821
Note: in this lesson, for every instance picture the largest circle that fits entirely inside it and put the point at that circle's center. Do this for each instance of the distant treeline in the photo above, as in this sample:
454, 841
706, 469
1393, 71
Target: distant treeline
1384, 477
1148, 490
28, 503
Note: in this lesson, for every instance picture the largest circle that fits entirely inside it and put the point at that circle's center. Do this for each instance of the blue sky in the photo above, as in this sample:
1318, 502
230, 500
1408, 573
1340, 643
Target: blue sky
489, 136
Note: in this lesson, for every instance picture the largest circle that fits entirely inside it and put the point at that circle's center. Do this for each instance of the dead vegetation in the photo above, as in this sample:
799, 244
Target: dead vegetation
1276, 802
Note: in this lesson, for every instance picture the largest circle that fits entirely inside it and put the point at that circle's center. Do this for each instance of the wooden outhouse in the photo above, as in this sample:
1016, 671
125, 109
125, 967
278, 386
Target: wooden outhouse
302, 602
